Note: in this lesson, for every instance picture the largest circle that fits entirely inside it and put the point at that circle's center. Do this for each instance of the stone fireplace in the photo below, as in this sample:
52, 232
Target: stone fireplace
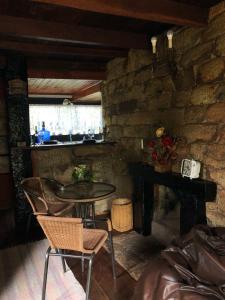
189, 102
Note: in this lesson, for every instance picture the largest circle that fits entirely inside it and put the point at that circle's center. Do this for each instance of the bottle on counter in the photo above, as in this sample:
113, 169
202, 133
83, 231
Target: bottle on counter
43, 134
35, 138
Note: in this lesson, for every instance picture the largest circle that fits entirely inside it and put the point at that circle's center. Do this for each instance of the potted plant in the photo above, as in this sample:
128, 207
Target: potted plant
163, 150
82, 173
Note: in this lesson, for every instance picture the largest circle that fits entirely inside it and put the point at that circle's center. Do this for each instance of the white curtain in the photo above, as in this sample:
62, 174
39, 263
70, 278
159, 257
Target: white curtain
61, 119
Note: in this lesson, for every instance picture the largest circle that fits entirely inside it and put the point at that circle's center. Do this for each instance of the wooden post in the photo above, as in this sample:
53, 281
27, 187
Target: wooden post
19, 132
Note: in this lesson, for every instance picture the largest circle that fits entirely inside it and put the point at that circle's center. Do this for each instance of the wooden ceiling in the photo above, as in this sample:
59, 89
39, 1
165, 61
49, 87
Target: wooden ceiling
77, 90
74, 39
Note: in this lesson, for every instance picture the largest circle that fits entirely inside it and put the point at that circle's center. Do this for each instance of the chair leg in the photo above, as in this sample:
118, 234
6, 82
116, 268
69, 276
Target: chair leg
88, 285
45, 273
82, 263
63, 260
112, 255
93, 210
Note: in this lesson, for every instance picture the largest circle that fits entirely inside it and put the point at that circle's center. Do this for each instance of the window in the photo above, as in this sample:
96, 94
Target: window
69, 119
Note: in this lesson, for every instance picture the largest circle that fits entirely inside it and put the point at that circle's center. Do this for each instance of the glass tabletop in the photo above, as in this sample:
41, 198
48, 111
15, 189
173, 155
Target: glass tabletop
85, 191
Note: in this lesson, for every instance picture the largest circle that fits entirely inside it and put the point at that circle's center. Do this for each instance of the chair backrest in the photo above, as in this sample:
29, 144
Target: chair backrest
63, 233
34, 193
49, 187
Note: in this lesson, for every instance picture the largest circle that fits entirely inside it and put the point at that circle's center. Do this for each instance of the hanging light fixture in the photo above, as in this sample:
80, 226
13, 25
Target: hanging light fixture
67, 101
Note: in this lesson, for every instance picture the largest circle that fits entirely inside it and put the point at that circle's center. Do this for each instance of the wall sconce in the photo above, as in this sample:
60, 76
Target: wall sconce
154, 60
154, 42
170, 53
170, 39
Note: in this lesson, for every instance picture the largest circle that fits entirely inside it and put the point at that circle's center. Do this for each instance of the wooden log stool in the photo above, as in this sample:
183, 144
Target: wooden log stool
122, 214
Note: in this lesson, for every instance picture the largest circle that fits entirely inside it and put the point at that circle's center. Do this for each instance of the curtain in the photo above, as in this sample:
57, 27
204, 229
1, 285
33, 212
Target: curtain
61, 119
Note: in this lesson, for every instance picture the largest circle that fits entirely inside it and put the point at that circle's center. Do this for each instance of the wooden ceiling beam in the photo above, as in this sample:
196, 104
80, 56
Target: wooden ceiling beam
164, 11
62, 74
67, 33
64, 69
60, 50
87, 91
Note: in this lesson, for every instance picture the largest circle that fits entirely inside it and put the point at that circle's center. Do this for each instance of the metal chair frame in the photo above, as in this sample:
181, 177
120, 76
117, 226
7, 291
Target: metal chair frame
63, 256
83, 257
41, 198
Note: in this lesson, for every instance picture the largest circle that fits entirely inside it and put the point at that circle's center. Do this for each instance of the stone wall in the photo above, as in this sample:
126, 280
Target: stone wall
184, 92
58, 163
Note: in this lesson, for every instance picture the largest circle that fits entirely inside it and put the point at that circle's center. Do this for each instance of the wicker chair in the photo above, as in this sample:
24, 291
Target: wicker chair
40, 194
69, 234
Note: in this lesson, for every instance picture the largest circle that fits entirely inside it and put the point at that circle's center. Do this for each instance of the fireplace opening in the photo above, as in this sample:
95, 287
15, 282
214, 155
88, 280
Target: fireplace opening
166, 215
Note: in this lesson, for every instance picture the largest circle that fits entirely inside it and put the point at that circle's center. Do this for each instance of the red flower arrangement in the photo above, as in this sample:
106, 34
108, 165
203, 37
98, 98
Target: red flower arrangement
163, 147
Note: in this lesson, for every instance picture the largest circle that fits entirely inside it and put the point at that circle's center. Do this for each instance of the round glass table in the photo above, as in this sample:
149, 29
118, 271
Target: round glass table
85, 191
84, 195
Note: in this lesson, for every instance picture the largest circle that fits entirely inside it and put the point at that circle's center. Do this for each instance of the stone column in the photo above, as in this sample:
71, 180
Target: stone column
19, 132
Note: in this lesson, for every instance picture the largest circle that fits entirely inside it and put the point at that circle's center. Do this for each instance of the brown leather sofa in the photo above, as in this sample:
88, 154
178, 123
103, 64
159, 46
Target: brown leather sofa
192, 268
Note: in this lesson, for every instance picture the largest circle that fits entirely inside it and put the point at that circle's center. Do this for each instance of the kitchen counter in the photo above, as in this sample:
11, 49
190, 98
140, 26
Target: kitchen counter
64, 145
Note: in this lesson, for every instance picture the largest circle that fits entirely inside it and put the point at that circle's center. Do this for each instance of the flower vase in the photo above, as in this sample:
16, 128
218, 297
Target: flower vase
163, 168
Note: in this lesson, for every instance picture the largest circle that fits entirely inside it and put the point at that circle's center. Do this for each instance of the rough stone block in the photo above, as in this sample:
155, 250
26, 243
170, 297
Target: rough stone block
216, 113
172, 118
221, 200
211, 70
154, 88
216, 151
115, 132
116, 68
143, 76
111, 87
137, 59
215, 218
220, 46
139, 118
198, 151
168, 83
185, 79
131, 151
204, 94
197, 53
221, 135
123, 186
218, 176
216, 10
182, 98
162, 101
127, 106
136, 131
92, 150
199, 133
194, 114
186, 38
212, 163
135, 92
211, 206
215, 28
220, 93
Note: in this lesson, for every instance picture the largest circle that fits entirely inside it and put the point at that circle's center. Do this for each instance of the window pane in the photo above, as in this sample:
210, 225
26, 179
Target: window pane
61, 119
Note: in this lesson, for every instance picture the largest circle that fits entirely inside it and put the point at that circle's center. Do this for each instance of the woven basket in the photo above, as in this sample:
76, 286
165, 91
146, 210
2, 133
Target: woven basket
122, 214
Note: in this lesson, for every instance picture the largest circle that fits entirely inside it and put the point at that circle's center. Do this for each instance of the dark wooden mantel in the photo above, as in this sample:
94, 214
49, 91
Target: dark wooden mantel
194, 193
